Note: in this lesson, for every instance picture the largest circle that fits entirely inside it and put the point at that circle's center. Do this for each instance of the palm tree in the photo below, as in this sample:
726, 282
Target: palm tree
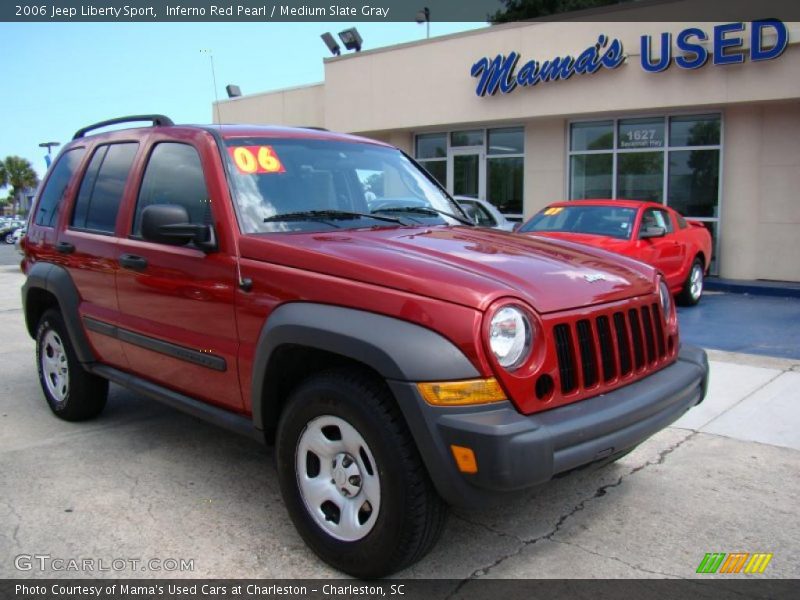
19, 174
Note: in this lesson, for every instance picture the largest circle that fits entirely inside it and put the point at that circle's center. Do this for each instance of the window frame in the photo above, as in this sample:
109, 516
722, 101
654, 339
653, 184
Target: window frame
484, 157
665, 149
132, 171
143, 172
68, 193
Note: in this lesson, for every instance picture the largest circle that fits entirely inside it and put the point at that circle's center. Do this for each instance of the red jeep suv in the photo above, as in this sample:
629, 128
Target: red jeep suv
322, 292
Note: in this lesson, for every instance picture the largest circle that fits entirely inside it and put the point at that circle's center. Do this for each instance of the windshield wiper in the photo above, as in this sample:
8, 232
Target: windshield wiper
428, 210
327, 215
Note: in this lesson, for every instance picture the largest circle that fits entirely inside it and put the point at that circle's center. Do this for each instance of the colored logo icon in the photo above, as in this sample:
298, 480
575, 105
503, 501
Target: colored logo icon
736, 562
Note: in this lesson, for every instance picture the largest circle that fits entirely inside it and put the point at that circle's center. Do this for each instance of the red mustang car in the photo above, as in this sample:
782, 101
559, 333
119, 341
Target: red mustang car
646, 231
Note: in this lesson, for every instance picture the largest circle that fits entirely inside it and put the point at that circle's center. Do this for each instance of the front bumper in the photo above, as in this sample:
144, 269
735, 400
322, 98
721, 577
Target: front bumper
516, 451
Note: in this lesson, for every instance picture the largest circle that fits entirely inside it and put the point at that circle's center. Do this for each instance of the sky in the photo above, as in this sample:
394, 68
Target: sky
60, 77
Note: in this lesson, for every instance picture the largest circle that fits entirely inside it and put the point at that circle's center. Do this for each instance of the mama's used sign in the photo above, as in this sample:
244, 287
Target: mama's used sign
503, 73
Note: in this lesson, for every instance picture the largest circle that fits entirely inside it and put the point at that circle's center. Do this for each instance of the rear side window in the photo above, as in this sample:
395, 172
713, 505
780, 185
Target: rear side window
102, 187
174, 175
53, 192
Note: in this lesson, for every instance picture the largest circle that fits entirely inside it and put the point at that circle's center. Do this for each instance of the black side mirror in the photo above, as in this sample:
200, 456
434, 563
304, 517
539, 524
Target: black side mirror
169, 224
652, 232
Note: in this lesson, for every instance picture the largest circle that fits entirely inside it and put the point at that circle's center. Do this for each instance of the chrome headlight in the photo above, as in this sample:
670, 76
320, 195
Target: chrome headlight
510, 335
666, 299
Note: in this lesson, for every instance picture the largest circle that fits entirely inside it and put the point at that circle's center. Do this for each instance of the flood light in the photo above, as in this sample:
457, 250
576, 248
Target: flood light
330, 42
351, 39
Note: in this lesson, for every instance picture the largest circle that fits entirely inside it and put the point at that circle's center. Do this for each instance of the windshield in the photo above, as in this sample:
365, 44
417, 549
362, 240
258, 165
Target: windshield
312, 185
610, 221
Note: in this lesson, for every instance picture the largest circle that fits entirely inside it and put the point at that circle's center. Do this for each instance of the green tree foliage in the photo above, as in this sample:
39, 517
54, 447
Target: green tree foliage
19, 174
519, 10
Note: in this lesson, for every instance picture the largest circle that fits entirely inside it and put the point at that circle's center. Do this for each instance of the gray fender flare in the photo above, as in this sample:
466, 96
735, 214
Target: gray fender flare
396, 349
56, 280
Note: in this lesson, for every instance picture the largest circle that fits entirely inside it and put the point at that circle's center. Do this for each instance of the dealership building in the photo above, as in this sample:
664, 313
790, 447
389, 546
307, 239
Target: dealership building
703, 117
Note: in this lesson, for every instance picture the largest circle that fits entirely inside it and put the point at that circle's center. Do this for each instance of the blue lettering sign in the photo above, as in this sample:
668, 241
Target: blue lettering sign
757, 51
499, 73
721, 42
699, 53
665, 57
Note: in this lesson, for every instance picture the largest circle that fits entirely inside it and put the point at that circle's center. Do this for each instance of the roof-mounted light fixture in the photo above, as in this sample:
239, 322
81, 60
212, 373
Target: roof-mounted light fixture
351, 39
330, 42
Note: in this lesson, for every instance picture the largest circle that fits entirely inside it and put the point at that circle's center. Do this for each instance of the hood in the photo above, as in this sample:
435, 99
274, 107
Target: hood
468, 266
605, 242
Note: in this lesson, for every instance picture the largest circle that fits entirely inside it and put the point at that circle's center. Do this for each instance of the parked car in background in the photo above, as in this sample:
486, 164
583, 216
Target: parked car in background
485, 214
7, 229
653, 233
17, 238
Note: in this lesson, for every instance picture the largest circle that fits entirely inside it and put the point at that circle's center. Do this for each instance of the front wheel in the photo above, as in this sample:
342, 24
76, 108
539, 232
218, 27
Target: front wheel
693, 286
352, 479
9, 238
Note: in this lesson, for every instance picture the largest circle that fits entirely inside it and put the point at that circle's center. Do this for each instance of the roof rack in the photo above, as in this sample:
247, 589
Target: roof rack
157, 120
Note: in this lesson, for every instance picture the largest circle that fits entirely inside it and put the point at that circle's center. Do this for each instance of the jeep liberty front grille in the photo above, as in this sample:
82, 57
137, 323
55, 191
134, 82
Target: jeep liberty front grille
612, 345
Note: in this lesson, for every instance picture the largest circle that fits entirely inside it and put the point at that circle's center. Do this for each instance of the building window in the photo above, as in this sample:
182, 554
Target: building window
479, 163
672, 159
431, 153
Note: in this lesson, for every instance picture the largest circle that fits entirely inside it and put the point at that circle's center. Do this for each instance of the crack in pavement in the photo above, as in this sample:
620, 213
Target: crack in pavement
18, 517
488, 528
599, 493
619, 560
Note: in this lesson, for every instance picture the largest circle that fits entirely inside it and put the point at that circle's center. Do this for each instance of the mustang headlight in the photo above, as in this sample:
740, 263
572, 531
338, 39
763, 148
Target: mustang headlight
666, 299
510, 335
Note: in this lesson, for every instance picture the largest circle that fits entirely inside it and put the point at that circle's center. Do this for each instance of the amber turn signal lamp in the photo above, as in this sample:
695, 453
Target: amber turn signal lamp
461, 393
465, 459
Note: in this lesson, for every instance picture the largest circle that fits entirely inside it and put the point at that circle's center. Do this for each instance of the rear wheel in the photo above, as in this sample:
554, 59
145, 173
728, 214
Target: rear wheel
693, 286
352, 479
72, 393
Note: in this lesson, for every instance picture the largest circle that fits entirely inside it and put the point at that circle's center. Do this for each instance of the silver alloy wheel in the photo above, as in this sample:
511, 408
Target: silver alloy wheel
338, 478
55, 368
696, 282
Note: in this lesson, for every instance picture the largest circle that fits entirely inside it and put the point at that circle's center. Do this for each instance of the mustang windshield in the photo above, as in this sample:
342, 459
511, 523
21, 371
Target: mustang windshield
311, 185
610, 221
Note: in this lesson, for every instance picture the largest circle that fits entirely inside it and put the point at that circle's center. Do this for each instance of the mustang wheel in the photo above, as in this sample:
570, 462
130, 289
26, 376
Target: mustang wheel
693, 286
351, 477
72, 393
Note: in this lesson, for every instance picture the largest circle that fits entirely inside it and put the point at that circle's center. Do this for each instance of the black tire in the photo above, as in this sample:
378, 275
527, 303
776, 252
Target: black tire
9, 238
692, 290
411, 515
79, 395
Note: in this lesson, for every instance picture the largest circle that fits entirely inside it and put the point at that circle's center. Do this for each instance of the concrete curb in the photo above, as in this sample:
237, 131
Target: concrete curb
759, 288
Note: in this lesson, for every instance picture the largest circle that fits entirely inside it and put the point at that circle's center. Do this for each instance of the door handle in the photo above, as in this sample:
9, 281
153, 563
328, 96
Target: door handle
65, 248
131, 261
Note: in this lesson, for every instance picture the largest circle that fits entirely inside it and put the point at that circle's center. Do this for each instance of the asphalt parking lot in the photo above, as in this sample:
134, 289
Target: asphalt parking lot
144, 481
